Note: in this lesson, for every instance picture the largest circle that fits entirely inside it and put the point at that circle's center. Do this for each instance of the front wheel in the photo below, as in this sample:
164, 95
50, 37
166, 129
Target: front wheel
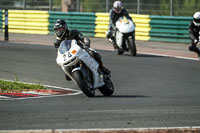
82, 84
120, 52
132, 46
108, 88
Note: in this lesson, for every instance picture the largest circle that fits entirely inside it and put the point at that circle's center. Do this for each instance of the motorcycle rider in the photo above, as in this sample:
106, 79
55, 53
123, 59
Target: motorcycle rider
63, 33
194, 32
114, 14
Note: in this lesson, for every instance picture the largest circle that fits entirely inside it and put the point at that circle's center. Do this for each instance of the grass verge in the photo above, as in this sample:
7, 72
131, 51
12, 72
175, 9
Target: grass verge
9, 86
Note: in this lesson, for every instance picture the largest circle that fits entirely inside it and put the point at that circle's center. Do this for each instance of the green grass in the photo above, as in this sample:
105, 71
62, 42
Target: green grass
9, 86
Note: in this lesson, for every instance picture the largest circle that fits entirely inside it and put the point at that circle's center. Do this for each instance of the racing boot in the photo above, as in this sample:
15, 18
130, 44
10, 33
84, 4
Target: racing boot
105, 70
112, 41
67, 77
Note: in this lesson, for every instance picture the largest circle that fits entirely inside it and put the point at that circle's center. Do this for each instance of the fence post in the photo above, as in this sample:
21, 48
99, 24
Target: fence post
50, 5
138, 6
6, 25
24, 4
171, 7
107, 2
77, 5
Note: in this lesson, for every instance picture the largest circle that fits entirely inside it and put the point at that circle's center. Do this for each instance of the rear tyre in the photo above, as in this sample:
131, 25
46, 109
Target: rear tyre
81, 82
108, 88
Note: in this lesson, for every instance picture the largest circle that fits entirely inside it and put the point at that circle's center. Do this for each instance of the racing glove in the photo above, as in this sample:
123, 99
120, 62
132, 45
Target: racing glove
197, 42
86, 43
57, 43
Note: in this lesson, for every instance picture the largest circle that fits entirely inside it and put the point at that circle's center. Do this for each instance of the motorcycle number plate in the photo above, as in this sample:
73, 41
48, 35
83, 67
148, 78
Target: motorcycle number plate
68, 54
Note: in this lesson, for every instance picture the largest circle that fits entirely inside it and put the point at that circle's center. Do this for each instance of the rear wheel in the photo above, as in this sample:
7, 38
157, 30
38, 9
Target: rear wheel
132, 46
83, 84
108, 88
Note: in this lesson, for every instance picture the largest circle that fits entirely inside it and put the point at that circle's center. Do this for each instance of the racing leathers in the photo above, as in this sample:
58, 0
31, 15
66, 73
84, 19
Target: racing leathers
113, 17
194, 33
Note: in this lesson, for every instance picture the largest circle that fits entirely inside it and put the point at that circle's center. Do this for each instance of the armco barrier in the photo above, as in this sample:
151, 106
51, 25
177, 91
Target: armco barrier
28, 21
84, 22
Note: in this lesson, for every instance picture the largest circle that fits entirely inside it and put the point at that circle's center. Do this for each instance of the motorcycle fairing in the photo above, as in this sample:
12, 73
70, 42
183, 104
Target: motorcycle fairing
93, 66
123, 26
70, 58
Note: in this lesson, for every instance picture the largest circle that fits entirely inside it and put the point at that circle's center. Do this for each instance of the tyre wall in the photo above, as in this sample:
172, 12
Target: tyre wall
151, 28
1, 15
84, 22
148, 27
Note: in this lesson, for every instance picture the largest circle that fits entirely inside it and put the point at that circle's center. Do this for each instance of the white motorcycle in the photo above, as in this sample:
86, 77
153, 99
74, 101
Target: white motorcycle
83, 69
125, 36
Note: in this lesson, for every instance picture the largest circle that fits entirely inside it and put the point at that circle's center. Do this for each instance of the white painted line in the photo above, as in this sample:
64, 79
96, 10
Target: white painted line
165, 55
128, 129
173, 56
36, 93
4, 97
99, 130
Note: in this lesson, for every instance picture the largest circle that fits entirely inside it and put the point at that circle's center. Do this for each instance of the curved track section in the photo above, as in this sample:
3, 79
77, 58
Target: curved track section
150, 91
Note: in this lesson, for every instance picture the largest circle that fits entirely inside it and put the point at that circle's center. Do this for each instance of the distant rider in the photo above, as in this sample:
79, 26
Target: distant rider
194, 32
114, 14
63, 33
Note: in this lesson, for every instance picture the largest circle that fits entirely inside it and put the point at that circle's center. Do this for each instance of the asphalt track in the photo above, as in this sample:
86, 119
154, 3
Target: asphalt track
150, 91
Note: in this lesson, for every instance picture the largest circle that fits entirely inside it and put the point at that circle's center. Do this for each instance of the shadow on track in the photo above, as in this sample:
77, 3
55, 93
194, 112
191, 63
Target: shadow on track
142, 55
147, 55
124, 96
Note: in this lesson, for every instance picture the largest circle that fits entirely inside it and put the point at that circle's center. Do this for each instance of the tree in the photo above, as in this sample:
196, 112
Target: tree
94, 6
180, 7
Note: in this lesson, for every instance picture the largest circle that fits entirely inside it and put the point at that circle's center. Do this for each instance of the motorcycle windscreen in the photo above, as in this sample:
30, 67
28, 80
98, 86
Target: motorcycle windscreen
64, 46
125, 25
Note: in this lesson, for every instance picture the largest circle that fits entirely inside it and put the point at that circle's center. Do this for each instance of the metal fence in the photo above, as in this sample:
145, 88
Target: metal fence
150, 7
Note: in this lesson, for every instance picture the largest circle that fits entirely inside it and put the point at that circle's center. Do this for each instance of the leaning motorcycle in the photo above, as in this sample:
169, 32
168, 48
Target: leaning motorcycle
83, 69
124, 34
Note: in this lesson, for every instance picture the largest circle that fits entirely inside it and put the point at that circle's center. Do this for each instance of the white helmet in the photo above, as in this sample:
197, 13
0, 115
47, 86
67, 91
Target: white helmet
117, 6
196, 19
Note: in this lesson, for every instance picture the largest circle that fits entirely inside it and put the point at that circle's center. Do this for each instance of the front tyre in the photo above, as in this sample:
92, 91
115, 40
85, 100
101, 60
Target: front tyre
108, 88
132, 46
120, 52
87, 90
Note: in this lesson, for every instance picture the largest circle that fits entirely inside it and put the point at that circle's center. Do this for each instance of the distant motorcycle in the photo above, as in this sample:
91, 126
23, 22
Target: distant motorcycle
83, 69
125, 36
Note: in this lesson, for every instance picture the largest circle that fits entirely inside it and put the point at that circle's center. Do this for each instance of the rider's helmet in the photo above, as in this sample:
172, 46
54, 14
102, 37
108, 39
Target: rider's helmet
117, 6
196, 19
60, 27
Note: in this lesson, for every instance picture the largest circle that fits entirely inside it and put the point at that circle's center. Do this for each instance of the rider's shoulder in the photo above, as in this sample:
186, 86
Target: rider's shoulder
124, 11
74, 31
191, 25
111, 11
